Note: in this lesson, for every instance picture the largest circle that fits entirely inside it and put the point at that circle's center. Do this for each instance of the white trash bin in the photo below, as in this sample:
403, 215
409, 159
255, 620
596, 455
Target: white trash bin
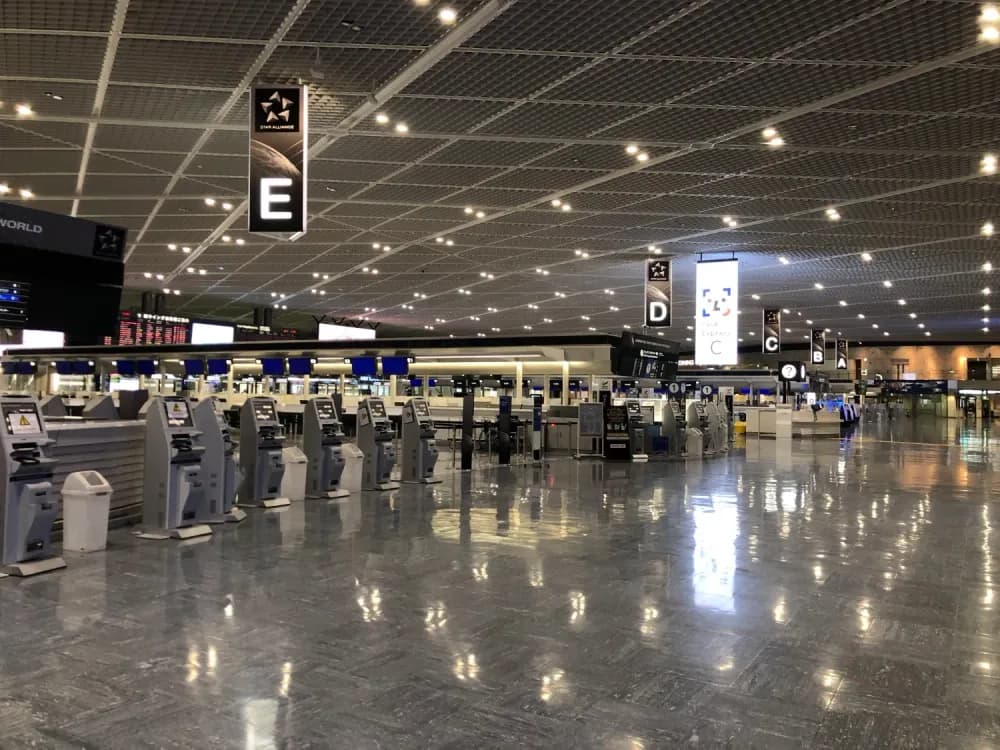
86, 505
293, 483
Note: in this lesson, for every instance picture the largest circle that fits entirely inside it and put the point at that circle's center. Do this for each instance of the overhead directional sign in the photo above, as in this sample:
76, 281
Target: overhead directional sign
771, 339
279, 142
841, 354
792, 372
717, 299
658, 293
818, 346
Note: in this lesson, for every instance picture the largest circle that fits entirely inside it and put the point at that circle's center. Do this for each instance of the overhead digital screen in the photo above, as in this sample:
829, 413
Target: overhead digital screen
217, 366
145, 367
395, 365
211, 333
143, 329
194, 367
333, 332
364, 366
126, 368
274, 366
299, 366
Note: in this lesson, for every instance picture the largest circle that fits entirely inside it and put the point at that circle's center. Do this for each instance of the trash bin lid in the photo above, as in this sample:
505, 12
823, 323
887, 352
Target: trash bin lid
86, 482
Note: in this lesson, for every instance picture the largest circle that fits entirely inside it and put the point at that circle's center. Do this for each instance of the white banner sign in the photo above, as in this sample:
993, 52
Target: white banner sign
716, 329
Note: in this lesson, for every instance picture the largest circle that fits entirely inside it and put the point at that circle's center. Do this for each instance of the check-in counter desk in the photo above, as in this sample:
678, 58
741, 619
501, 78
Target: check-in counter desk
761, 422
115, 449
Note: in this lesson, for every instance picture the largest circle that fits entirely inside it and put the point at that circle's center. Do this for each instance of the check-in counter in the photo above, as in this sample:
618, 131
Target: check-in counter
114, 449
762, 422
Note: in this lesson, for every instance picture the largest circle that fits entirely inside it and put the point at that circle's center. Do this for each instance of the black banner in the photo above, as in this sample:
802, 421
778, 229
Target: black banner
658, 293
771, 340
841, 354
279, 142
818, 346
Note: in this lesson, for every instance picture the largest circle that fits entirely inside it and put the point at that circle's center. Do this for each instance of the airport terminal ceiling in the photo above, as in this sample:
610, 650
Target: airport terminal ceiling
489, 168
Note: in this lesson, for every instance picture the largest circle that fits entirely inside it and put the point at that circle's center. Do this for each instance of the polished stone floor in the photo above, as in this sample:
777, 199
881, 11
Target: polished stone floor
839, 594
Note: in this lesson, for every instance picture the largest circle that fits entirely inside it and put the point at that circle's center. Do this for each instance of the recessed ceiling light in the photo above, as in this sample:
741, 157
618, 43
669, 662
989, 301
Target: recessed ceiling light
4, 188
866, 257
439, 240
987, 266
874, 325
447, 15
210, 201
376, 246
186, 250
190, 269
986, 291
402, 128
818, 285
788, 330
842, 303
555, 203
171, 246
887, 284
584, 317
654, 249
809, 322
986, 229
921, 325
449, 243
375, 272
23, 110
927, 333
226, 238
753, 333
566, 207
902, 302
776, 142
560, 294
986, 308
469, 210
783, 260
861, 316
480, 214
227, 206
754, 296
202, 271
768, 133
885, 333
642, 156
631, 149
986, 330
913, 316
159, 277
26, 193
147, 275
382, 118
786, 311
833, 214
988, 164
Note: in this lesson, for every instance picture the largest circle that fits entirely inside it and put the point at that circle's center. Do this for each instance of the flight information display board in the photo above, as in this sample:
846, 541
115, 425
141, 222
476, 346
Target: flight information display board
142, 329
14, 300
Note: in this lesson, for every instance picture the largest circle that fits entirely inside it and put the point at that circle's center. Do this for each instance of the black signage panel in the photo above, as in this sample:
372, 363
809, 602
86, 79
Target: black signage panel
841, 354
279, 142
818, 347
658, 293
771, 338
643, 357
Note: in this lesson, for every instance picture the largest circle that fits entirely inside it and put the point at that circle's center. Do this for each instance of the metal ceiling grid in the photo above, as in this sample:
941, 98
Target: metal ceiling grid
708, 71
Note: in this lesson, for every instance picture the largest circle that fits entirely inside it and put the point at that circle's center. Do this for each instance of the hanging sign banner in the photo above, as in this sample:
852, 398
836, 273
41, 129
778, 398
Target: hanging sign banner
841, 354
818, 346
717, 295
658, 293
279, 142
771, 339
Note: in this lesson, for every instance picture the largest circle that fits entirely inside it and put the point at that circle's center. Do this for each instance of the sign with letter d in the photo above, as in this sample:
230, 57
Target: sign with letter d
658, 293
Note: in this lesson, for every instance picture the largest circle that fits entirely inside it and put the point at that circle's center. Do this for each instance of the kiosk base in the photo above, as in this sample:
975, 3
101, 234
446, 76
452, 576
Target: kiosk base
274, 502
422, 481
383, 487
331, 495
186, 532
234, 516
34, 567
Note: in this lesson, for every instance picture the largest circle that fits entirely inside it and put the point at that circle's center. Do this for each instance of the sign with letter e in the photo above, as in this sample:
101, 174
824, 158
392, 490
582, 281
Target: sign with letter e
279, 144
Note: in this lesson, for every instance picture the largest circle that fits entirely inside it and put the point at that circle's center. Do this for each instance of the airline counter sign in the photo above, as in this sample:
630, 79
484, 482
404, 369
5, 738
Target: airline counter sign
818, 346
771, 339
841, 354
658, 293
717, 295
279, 142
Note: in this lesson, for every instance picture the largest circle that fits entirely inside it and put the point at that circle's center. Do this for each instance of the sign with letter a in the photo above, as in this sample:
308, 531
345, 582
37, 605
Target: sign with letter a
841, 354
658, 293
279, 142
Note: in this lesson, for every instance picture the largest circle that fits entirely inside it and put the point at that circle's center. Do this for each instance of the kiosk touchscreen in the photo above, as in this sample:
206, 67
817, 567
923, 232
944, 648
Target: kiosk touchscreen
28, 505
261, 442
420, 451
375, 438
699, 437
218, 462
174, 505
323, 444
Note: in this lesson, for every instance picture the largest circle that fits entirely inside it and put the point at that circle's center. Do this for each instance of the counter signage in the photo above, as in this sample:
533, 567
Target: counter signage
771, 340
279, 144
818, 337
792, 372
841, 354
658, 293
717, 295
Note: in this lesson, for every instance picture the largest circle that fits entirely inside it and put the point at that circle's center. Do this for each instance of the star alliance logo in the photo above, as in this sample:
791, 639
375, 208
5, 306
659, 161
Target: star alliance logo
659, 271
277, 112
109, 242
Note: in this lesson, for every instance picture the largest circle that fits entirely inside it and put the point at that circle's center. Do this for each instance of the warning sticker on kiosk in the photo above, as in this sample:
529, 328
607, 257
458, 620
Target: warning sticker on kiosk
23, 420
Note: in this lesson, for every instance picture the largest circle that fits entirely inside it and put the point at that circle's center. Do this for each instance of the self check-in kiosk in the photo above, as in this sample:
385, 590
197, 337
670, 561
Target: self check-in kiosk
636, 430
28, 506
375, 438
218, 462
420, 452
262, 464
173, 497
322, 442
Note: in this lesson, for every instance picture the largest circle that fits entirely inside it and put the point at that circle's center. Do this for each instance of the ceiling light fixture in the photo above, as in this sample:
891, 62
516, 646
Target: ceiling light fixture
861, 316
887, 284
987, 266
23, 110
447, 16
913, 316
866, 257
469, 210
842, 303
26, 193
783, 260
833, 214
989, 31
402, 128
631, 149
642, 156
382, 118
902, 301
566, 207
241, 241
988, 164
147, 275
227, 206
986, 229
4, 188
186, 250
754, 296
819, 286
210, 201
654, 249
480, 214
555, 203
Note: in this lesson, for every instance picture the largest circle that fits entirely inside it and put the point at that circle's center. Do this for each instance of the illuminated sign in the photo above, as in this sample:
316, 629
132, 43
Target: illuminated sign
279, 142
717, 300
